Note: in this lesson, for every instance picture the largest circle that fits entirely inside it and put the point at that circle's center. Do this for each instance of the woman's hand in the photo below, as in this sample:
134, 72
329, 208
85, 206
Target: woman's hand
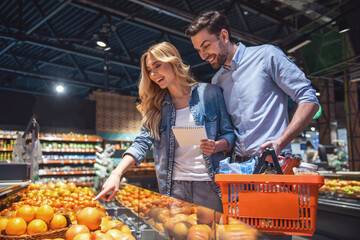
111, 184
207, 146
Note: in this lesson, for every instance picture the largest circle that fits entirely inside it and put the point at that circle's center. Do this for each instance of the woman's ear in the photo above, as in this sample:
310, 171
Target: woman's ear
224, 35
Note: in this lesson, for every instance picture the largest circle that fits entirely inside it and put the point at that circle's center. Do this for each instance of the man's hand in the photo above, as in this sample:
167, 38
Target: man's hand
270, 144
207, 146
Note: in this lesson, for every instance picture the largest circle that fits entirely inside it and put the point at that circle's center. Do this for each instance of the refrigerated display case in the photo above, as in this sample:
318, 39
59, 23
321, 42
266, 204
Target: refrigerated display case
338, 214
147, 214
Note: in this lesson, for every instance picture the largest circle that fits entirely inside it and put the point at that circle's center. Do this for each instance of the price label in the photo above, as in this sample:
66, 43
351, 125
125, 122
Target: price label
73, 139
82, 161
62, 162
86, 139
72, 173
75, 162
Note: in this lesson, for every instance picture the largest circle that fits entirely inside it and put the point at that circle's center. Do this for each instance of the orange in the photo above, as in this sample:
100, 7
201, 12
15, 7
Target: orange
114, 233
26, 212
125, 229
3, 223
82, 236
74, 230
15, 226
58, 221
36, 226
45, 213
89, 217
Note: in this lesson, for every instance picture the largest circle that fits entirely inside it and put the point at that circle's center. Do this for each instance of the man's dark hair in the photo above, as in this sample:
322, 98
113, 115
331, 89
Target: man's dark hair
213, 21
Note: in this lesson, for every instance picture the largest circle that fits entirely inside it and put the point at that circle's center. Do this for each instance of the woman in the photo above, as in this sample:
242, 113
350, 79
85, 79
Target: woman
171, 97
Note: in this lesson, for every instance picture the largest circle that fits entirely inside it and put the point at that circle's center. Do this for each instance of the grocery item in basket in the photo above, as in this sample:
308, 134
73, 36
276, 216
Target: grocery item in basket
247, 167
306, 169
289, 164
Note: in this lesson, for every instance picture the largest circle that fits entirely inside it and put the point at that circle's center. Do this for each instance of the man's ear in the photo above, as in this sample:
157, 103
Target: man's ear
224, 35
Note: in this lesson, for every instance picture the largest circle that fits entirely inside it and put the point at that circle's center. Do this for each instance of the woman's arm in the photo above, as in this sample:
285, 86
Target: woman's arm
226, 137
113, 182
134, 155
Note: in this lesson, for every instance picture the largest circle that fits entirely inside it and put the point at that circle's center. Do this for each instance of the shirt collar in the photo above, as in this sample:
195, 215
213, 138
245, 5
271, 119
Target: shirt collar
235, 61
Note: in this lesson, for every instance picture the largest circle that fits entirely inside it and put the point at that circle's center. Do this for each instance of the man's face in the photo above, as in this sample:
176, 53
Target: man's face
211, 48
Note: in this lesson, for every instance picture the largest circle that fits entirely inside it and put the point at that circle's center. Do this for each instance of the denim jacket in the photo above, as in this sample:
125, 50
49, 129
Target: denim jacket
208, 108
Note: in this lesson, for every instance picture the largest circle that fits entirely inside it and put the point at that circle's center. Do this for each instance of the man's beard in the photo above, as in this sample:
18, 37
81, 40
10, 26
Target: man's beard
220, 57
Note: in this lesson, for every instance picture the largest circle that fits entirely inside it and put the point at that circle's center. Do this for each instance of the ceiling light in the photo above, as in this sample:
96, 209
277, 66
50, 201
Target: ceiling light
344, 30
101, 43
312, 129
60, 88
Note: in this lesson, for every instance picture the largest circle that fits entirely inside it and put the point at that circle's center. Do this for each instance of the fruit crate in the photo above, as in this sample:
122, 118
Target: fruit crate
274, 204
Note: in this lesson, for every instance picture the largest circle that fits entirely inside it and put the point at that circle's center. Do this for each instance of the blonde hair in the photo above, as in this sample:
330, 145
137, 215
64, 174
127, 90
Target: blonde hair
151, 95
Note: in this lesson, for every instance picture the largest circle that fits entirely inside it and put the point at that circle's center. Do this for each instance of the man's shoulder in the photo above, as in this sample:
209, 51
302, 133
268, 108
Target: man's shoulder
263, 47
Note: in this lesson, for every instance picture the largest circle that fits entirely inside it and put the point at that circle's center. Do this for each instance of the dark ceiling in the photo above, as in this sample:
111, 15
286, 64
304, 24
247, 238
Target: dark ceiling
46, 42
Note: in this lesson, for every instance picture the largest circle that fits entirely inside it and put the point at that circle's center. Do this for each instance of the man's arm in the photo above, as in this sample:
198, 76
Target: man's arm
302, 117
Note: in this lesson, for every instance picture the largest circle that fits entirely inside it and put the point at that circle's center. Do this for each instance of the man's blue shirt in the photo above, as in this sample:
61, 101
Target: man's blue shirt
256, 88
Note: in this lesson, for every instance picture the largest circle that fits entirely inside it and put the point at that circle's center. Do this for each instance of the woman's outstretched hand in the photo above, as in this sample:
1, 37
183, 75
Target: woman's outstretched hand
110, 185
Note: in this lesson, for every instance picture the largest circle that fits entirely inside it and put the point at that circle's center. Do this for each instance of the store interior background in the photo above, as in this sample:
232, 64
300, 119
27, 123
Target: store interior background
44, 44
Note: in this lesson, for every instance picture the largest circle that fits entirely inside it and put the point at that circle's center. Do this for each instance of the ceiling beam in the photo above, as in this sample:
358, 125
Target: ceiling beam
57, 9
65, 49
113, 10
189, 17
55, 78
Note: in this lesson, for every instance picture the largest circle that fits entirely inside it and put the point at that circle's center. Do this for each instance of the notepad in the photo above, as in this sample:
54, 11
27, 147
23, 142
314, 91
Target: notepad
189, 135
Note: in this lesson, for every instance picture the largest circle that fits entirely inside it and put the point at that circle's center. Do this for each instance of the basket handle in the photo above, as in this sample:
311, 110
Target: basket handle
260, 167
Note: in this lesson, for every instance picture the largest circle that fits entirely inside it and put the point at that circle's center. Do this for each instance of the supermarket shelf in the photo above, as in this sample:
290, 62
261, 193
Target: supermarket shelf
67, 173
69, 139
59, 150
8, 136
6, 149
67, 161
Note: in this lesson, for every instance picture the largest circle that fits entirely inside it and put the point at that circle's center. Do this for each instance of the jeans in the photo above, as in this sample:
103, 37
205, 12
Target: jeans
200, 193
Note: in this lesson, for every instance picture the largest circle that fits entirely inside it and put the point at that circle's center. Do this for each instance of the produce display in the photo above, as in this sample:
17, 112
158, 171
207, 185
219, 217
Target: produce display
341, 188
47, 211
180, 220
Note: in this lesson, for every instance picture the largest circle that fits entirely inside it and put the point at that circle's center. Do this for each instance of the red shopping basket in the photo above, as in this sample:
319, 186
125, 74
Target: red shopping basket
274, 204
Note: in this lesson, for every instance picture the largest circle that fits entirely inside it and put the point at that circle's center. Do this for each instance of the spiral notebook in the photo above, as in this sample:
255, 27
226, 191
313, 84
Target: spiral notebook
189, 135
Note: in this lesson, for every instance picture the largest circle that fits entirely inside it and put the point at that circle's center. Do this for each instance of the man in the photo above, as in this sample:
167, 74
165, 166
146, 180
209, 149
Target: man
256, 82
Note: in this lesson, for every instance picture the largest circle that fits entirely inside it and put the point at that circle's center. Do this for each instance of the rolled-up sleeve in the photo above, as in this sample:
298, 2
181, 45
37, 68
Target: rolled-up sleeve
141, 145
226, 127
288, 76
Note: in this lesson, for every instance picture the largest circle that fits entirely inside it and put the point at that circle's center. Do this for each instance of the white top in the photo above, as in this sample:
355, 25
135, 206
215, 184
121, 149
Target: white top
189, 163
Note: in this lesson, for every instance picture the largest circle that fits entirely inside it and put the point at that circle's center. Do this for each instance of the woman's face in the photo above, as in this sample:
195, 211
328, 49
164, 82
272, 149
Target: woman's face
161, 73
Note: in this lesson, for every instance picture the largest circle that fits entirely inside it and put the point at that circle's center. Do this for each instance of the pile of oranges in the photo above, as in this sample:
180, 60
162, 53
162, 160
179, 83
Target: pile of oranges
29, 220
44, 206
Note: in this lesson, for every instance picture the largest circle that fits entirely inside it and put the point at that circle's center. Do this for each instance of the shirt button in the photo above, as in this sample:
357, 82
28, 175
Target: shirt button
243, 144
239, 100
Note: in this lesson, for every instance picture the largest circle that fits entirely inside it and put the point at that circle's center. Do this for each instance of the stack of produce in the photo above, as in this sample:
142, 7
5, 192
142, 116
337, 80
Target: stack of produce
180, 220
60, 211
